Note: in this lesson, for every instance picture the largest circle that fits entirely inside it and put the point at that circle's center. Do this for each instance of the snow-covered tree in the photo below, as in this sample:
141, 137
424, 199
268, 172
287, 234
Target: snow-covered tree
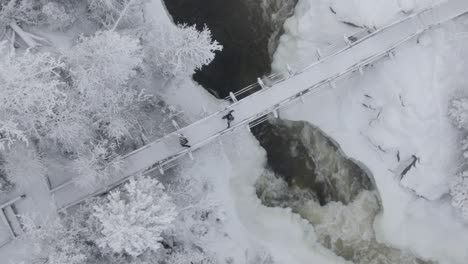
30, 93
70, 129
179, 51
14, 13
56, 16
458, 112
134, 217
459, 192
104, 59
102, 66
55, 242
96, 163
22, 163
5, 183
111, 13
193, 255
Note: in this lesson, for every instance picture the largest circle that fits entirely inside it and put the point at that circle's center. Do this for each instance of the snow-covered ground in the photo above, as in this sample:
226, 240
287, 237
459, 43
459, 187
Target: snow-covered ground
396, 110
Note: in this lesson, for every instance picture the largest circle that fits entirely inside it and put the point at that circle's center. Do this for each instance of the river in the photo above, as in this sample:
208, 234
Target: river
306, 169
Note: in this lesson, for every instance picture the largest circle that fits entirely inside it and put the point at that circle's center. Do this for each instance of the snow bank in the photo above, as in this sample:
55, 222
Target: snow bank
396, 110
376, 13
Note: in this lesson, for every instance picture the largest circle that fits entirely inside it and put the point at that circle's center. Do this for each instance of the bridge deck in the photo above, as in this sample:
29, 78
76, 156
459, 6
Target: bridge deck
356, 55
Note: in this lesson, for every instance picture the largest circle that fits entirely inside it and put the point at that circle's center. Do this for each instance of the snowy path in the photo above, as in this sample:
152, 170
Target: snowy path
354, 57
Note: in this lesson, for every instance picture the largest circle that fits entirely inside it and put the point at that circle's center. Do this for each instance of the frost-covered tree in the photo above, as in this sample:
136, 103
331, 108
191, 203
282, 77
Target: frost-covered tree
111, 13
22, 163
5, 183
70, 129
13, 14
134, 217
30, 94
104, 59
102, 66
179, 51
56, 16
96, 164
185, 254
459, 192
458, 112
55, 242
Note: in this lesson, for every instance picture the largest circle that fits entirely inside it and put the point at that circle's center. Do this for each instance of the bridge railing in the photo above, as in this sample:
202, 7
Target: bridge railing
329, 50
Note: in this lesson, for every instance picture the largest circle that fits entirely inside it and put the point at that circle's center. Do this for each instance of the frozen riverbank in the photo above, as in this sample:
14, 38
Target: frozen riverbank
396, 110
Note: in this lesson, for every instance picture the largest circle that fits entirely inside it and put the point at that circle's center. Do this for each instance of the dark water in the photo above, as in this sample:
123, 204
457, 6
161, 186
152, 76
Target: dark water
244, 28
306, 158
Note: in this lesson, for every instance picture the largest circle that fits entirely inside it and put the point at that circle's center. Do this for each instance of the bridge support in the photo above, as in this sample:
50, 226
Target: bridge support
190, 154
205, 112
346, 40
161, 170
261, 83
319, 54
290, 70
391, 55
361, 70
333, 84
248, 128
233, 97
275, 113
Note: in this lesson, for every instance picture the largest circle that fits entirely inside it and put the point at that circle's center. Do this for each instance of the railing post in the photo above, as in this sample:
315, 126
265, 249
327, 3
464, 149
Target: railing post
361, 70
319, 53
346, 39
290, 70
261, 83
233, 97
205, 112
275, 113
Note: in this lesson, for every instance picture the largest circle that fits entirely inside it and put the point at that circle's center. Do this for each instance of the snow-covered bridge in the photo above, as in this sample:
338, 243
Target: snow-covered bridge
353, 54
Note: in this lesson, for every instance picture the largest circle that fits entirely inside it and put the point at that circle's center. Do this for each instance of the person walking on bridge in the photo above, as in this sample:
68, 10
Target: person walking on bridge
229, 117
184, 141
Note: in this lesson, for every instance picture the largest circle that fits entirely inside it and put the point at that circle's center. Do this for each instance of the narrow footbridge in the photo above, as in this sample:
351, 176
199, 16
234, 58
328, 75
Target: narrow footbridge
269, 94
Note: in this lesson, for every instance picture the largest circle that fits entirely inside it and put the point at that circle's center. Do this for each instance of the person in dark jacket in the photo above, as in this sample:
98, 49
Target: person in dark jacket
229, 117
184, 141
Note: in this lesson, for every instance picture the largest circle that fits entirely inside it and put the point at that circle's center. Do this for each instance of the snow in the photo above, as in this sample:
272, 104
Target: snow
237, 161
376, 13
157, 13
411, 93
